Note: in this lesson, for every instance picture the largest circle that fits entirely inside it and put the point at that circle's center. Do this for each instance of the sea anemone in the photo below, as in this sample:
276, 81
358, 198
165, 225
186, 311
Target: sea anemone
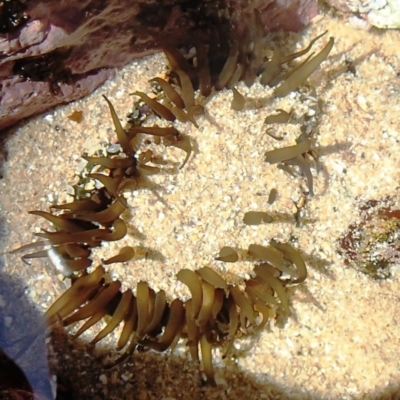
217, 310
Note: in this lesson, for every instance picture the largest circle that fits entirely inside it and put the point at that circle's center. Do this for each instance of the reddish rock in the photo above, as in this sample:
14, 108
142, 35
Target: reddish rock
286, 14
57, 51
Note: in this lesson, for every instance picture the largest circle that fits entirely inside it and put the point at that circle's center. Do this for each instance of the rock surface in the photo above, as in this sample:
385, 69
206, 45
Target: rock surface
54, 52
384, 14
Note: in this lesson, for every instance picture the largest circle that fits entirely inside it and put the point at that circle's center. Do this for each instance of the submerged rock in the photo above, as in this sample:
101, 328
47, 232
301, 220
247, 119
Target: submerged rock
55, 52
372, 245
384, 14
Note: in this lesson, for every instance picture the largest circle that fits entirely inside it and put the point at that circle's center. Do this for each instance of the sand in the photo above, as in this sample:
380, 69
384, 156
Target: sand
342, 341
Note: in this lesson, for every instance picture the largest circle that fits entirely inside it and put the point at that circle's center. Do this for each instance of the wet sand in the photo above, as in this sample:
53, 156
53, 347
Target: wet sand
342, 341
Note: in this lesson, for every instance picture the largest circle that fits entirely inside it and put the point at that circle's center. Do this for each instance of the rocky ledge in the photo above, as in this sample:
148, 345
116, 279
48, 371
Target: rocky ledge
57, 51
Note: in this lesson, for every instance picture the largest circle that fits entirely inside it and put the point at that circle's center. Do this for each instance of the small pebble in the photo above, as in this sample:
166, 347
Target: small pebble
103, 379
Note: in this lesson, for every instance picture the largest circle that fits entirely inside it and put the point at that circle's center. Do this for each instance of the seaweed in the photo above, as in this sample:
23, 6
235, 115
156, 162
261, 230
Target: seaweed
256, 218
295, 155
298, 76
238, 101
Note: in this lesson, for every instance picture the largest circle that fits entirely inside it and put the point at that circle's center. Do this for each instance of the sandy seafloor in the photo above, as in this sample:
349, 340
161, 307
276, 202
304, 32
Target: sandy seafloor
343, 339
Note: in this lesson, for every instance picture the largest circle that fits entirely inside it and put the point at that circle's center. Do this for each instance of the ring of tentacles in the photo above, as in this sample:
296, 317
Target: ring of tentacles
217, 312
